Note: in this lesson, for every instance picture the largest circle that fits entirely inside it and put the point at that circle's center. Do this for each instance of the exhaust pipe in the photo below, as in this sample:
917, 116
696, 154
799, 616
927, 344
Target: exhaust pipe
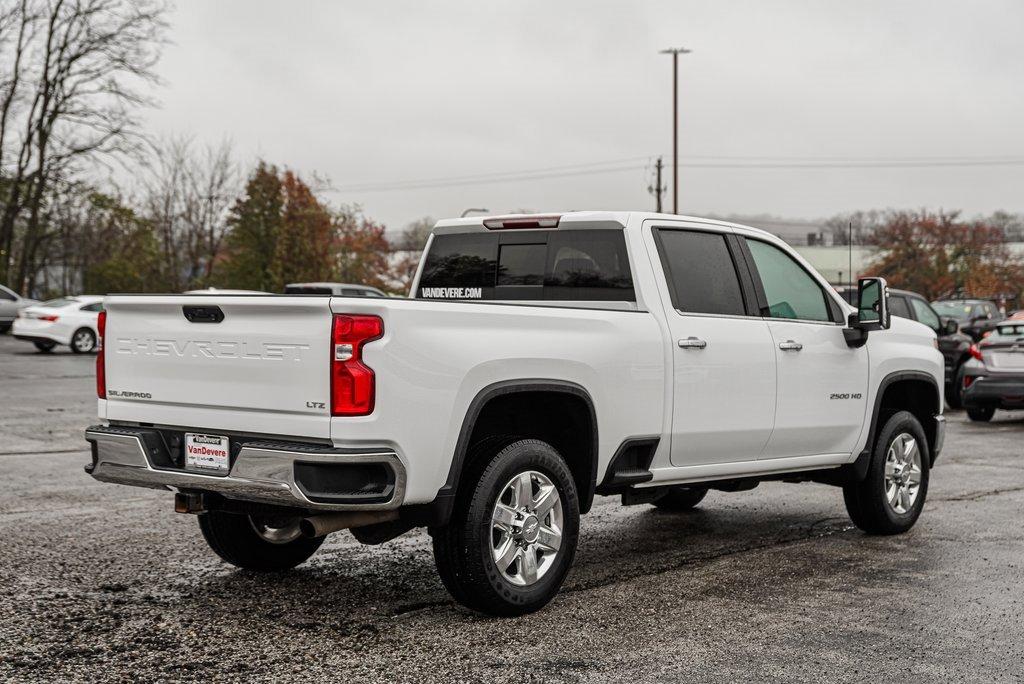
320, 525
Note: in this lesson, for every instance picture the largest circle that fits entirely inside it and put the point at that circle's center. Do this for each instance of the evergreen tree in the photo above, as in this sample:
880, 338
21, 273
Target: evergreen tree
253, 229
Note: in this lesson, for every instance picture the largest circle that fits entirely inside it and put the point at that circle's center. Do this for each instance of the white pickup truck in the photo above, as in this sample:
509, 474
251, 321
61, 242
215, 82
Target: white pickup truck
539, 360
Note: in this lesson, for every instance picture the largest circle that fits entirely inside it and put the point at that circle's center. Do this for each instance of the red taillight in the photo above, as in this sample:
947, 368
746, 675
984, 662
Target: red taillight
506, 222
352, 381
51, 319
975, 352
101, 364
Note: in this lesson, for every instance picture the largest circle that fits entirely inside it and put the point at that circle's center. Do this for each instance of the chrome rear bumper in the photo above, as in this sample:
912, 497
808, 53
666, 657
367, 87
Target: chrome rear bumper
262, 472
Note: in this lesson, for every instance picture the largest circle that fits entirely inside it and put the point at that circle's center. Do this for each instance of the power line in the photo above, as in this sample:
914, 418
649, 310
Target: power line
490, 174
593, 168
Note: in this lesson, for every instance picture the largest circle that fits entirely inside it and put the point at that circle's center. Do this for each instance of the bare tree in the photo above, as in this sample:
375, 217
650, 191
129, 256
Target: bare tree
73, 79
187, 195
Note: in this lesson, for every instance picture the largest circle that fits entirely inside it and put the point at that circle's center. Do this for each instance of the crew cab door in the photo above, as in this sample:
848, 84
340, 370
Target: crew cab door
822, 382
723, 370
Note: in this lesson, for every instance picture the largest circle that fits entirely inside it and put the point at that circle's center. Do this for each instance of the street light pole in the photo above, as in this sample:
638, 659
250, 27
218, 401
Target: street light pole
675, 52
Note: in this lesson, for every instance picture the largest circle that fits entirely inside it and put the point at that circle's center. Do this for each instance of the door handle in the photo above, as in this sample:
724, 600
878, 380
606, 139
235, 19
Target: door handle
790, 345
692, 343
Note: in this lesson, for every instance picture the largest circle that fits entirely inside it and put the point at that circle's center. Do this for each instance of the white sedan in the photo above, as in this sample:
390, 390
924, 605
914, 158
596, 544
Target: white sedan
68, 320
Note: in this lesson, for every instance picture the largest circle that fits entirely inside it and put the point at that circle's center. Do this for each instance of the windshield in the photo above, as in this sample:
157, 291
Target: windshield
961, 311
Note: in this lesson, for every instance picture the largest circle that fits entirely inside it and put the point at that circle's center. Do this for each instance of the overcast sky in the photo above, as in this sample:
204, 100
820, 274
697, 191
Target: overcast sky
375, 94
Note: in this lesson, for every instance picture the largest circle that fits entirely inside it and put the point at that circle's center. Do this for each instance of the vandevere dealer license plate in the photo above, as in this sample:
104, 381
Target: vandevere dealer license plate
209, 452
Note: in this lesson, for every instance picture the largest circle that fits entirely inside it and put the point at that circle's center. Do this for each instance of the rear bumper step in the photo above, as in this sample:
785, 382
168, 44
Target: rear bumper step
312, 477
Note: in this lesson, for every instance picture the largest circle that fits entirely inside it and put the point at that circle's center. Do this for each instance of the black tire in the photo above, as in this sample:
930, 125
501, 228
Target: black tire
954, 393
682, 498
867, 501
83, 341
45, 347
4, 327
982, 414
463, 548
234, 538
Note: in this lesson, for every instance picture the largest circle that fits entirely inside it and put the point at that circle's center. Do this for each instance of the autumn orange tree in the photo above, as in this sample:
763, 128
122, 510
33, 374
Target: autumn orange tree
362, 249
280, 232
938, 255
304, 249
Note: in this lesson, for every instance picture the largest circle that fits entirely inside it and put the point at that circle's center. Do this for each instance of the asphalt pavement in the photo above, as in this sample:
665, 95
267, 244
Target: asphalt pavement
106, 583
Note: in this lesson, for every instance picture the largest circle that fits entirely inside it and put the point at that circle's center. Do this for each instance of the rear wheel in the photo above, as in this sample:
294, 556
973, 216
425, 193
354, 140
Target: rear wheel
982, 414
681, 498
261, 543
4, 327
83, 341
45, 346
512, 535
890, 497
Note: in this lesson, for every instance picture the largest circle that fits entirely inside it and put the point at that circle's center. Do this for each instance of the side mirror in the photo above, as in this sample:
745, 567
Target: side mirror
950, 326
873, 304
872, 311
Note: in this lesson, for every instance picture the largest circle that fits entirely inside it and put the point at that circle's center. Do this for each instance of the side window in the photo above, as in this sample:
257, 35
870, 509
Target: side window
790, 290
898, 307
925, 313
701, 274
98, 306
7, 294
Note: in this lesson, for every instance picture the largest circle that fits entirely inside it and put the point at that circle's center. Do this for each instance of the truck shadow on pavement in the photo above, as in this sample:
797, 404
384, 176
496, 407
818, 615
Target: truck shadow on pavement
616, 545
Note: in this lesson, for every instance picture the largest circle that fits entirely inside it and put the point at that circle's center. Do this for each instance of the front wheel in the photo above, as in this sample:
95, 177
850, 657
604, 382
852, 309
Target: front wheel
890, 497
512, 535
982, 414
265, 544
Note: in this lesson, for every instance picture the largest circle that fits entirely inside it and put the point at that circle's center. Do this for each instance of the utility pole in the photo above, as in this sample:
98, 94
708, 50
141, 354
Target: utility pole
675, 52
657, 188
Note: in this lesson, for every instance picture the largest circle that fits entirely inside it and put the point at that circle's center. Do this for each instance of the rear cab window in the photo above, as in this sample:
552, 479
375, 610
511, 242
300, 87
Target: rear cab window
701, 272
569, 265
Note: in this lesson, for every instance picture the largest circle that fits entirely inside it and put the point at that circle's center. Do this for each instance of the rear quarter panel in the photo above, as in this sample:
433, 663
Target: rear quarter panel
436, 357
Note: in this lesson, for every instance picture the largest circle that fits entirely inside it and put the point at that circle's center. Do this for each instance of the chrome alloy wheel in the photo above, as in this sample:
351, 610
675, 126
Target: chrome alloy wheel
276, 530
902, 473
526, 528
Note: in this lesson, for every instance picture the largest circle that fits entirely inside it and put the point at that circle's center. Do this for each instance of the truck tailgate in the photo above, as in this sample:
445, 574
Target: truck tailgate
264, 367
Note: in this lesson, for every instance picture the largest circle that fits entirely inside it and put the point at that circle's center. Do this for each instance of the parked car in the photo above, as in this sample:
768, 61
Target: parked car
10, 304
334, 289
954, 344
975, 316
542, 360
994, 376
69, 320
